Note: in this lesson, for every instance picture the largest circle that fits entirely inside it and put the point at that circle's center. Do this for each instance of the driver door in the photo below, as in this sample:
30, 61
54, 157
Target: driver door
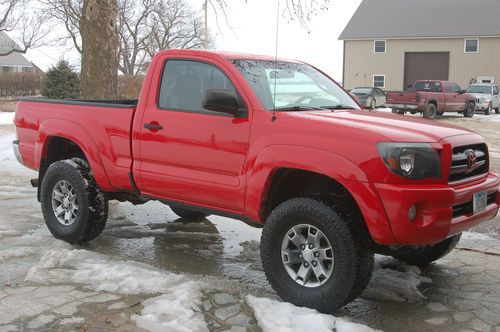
187, 153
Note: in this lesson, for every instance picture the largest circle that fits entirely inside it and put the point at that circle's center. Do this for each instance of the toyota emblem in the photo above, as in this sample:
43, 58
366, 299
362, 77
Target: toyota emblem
471, 158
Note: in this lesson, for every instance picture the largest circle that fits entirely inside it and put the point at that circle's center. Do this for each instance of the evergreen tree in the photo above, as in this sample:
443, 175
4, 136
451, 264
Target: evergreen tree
61, 82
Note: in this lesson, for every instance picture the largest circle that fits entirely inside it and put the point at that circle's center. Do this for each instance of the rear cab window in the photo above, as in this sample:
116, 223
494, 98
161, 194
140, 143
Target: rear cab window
428, 86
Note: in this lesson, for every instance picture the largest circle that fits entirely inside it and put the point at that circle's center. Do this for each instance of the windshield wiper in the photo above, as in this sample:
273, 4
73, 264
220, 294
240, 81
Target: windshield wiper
338, 107
296, 108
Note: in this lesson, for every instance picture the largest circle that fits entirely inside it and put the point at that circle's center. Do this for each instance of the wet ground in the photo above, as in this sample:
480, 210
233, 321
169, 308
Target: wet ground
149, 266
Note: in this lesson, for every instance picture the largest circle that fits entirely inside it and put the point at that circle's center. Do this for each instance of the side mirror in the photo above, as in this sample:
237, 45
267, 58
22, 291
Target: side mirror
463, 91
219, 100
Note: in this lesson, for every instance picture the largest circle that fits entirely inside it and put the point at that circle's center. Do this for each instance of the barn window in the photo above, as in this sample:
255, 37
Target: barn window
379, 46
379, 81
471, 46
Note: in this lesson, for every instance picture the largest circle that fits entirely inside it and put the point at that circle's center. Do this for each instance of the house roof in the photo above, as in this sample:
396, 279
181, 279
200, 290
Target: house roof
13, 59
387, 19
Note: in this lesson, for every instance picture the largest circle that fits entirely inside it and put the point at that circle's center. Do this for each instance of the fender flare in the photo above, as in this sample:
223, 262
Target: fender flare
274, 157
81, 137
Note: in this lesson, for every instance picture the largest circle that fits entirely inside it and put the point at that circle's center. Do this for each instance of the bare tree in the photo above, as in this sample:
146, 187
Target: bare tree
24, 22
144, 27
69, 14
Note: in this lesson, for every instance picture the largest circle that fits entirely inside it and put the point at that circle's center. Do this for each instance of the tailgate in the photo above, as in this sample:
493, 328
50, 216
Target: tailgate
402, 97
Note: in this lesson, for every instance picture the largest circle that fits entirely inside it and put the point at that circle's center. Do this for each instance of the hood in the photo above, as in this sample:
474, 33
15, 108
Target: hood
481, 95
382, 126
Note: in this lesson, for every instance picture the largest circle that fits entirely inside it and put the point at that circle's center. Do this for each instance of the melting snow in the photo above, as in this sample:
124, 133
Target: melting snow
274, 316
395, 281
6, 118
8, 162
175, 309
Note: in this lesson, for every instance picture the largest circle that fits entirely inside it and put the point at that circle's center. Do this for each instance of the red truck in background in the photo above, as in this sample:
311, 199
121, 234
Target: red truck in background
277, 144
432, 98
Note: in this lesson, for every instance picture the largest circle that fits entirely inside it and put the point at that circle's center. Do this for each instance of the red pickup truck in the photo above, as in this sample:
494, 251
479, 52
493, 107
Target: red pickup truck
277, 144
432, 98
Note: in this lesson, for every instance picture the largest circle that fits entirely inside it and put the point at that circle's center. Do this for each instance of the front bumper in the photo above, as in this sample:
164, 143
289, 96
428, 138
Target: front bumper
482, 106
17, 153
442, 210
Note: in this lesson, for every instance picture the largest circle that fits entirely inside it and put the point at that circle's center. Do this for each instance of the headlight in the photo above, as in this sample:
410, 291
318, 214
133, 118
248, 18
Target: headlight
411, 160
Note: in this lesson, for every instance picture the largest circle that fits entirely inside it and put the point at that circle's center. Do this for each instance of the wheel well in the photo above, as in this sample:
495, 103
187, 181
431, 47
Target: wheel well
287, 183
434, 102
57, 148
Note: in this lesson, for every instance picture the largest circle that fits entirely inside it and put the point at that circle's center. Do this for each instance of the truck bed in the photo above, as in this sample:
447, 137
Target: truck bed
101, 127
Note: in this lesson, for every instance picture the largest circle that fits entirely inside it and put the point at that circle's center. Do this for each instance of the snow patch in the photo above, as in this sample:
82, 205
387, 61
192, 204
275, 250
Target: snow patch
395, 281
175, 309
172, 312
7, 118
8, 162
274, 316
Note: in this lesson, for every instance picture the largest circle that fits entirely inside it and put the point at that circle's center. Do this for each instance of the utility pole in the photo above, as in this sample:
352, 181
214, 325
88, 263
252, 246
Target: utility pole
206, 24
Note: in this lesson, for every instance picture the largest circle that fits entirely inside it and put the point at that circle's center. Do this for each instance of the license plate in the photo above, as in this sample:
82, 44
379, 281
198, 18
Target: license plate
479, 202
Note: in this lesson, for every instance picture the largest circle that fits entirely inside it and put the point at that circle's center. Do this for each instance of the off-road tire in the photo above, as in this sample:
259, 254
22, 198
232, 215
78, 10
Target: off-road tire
188, 214
373, 105
401, 112
469, 110
497, 110
428, 254
353, 260
92, 211
394, 110
488, 110
430, 111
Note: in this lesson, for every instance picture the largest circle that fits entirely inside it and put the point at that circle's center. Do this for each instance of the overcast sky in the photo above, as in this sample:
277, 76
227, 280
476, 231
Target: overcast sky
252, 29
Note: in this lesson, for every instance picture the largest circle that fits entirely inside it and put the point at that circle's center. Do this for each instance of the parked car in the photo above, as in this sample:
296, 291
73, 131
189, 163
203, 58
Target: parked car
369, 97
208, 137
432, 98
487, 97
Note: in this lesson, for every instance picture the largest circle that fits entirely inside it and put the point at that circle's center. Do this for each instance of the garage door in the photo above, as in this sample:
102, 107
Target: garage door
425, 66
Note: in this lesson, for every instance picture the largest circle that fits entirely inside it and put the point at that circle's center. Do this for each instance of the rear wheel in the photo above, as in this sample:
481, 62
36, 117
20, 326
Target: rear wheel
428, 254
73, 206
313, 256
497, 110
188, 214
394, 110
430, 111
469, 110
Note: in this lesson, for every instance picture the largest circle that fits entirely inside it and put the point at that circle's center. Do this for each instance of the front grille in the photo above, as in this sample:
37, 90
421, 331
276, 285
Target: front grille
467, 208
461, 166
478, 100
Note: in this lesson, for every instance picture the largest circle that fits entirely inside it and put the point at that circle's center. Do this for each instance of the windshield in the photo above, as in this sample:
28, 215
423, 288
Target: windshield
365, 91
292, 86
479, 89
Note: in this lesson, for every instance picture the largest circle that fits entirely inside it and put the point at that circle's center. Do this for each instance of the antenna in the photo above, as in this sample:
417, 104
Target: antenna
276, 60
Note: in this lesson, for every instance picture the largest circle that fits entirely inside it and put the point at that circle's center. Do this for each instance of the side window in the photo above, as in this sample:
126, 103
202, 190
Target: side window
451, 87
184, 84
456, 88
495, 89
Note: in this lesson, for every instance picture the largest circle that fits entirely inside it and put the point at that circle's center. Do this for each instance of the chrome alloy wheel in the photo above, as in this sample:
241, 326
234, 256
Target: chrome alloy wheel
64, 203
307, 255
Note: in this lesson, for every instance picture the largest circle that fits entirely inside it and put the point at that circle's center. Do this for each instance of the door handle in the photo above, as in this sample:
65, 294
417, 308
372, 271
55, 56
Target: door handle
153, 126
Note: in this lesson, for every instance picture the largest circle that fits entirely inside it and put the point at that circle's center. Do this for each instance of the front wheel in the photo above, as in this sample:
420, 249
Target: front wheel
313, 256
469, 110
487, 111
427, 254
73, 206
